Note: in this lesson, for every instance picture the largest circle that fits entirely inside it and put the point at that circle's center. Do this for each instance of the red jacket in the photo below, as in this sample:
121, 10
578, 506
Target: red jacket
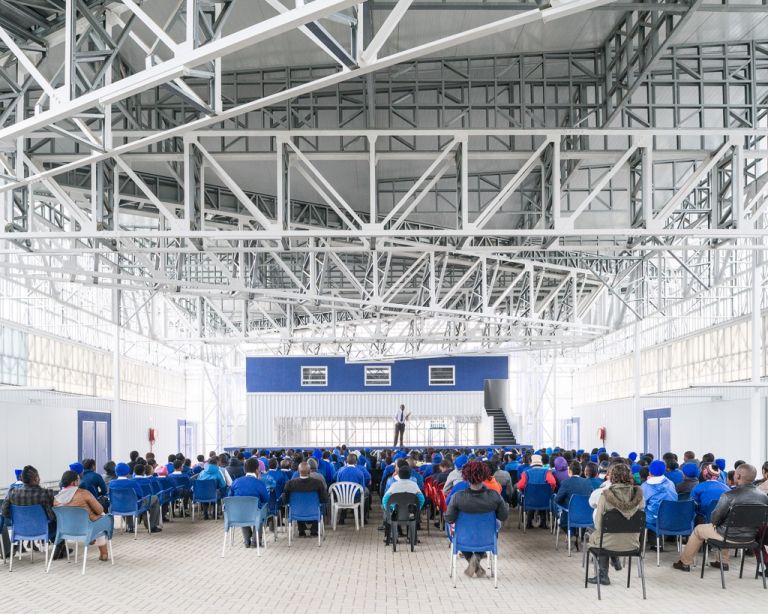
549, 477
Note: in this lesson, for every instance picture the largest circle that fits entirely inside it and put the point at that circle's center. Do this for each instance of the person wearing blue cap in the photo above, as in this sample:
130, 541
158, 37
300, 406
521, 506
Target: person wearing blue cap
632, 456
720, 463
16, 483
656, 488
124, 481
690, 481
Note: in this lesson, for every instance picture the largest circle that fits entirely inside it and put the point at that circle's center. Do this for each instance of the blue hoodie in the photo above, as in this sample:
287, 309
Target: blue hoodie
211, 472
655, 490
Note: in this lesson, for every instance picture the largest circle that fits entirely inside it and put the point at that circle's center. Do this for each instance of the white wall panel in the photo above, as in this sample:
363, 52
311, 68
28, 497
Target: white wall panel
40, 428
264, 409
712, 419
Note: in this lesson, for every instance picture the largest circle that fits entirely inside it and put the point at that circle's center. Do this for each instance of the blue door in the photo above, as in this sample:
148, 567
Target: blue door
94, 436
657, 425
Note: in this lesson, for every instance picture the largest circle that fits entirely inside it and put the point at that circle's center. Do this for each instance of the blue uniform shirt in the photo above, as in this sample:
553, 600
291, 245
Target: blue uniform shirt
249, 486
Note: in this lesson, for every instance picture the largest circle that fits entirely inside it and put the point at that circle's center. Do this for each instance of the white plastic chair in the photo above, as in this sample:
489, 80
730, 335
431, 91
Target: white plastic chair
343, 495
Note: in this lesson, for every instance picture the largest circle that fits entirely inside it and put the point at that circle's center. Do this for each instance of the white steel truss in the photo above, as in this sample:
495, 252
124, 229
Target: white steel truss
548, 231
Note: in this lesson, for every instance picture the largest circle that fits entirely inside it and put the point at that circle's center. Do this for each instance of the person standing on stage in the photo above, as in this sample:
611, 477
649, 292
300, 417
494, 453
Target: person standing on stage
400, 419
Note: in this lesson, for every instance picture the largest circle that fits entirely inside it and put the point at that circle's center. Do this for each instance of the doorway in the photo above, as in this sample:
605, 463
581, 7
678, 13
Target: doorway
186, 438
570, 433
657, 429
94, 436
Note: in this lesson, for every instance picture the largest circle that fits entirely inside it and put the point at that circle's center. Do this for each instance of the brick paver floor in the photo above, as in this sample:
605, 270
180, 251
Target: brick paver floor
180, 570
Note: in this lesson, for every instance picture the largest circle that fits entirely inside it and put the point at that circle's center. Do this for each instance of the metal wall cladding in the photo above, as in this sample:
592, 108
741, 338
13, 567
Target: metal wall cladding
39, 427
283, 374
708, 419
265, 408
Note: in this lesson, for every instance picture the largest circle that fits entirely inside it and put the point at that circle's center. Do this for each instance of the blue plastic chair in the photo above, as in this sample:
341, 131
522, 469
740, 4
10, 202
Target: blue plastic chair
579, 517
29, 523
123, 503
182, 486
205, 491
73, 524
146, 487
475, 533
674, 518
244, 512
536, 498
305, 506
165, 494
274, 509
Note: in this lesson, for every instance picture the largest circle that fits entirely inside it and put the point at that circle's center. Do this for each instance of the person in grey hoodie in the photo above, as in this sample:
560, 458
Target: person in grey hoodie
622, 495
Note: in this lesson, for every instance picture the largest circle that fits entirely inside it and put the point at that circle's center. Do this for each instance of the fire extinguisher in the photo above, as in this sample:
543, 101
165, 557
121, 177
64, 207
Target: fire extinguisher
601, 434
152, 438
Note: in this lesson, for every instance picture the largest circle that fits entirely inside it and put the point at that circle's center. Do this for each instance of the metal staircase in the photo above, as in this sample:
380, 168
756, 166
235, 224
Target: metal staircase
502, 433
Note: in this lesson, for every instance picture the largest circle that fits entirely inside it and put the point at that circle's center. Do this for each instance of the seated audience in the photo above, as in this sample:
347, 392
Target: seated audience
235, 469
125, 482
72, 494
353, 472
29, 493
560, 471
249, 485
574, 485
455, 475
656, 488
624, 495
536, 474
504, 480
745, 493
476, 499
591, 473
402, 482
92, 481
709, 490
690, 480
445, 468
762, 485
305, 482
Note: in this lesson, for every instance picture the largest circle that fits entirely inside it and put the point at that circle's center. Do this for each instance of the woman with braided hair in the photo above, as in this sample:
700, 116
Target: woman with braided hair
477, 499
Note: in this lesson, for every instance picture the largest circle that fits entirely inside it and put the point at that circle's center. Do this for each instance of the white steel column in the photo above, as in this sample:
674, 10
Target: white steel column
636, 364
555, 375
757, 444
117, 442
